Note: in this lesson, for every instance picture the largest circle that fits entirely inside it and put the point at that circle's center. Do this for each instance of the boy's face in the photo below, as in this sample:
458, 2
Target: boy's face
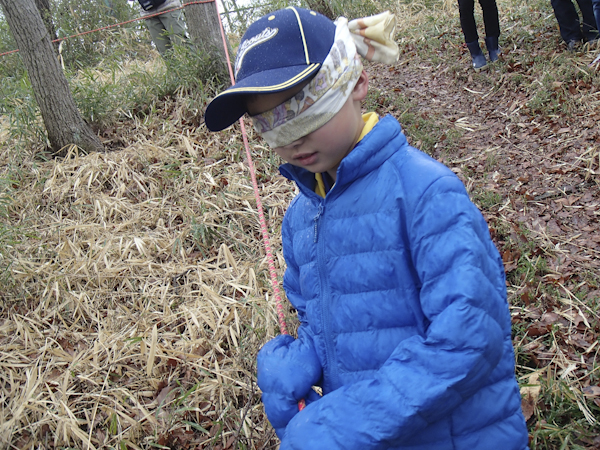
323, 149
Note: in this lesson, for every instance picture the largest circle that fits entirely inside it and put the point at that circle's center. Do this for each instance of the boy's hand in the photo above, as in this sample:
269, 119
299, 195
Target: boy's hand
287, 370
280, 410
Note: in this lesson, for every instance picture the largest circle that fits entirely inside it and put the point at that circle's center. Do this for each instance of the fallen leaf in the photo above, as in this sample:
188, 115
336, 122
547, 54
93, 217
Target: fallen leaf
538, 329
164, 395
529, 395
591, 391
528, 406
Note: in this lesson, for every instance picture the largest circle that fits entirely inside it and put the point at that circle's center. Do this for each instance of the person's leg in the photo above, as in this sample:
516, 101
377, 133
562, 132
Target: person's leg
157, 32
568, 20
596, 7
492, 27
469, 28
174, 24
467, 20
490, 17
590, 33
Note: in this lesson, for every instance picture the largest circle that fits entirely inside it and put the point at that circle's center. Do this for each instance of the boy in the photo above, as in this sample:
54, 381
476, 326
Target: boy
399, 289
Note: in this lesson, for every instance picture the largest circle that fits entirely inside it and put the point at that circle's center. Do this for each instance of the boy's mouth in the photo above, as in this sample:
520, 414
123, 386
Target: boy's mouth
306, 159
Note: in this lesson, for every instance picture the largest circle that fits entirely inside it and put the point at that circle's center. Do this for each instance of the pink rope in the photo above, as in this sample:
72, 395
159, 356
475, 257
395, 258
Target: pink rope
263, 223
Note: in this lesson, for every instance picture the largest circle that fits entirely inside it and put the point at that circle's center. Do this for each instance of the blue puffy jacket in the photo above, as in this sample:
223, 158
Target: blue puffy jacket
404, 320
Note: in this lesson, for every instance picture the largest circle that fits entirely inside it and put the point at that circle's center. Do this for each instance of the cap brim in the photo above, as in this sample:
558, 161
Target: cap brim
230, 105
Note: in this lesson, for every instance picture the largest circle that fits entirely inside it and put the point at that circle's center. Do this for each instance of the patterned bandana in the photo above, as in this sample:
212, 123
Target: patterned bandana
323, 97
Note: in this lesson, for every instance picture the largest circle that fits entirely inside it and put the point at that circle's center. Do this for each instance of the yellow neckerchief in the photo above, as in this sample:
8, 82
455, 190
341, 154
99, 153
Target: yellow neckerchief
370, 119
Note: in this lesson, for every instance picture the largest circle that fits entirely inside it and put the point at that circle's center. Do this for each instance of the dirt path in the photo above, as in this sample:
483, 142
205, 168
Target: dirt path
534, 175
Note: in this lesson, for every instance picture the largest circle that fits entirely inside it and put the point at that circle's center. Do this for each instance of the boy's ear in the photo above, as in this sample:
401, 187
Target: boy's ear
361, 87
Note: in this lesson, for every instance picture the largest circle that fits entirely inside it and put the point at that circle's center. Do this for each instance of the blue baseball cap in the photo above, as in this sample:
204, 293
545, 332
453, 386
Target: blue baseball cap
277, 52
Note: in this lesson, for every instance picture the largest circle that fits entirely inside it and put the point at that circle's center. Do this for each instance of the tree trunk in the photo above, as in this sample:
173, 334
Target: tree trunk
323, 7
205, 30
62, 120
43, 7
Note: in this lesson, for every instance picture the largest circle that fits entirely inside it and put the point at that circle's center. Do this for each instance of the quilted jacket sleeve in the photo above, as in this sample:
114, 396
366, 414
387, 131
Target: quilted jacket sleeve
426, 377
287, 367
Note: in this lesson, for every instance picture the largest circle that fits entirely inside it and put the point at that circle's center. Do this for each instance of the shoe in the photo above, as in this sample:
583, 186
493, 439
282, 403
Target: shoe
572, 45
479, 61
491, 43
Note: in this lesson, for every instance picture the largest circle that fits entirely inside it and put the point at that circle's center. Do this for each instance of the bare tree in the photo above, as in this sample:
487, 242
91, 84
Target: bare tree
322, 6
205, 30
62, 120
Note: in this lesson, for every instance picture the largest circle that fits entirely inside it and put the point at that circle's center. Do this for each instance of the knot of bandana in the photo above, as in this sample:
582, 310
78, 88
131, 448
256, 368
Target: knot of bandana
374, 37
323, 97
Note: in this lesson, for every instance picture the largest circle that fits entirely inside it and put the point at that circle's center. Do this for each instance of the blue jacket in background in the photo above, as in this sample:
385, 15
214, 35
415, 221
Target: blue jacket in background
402, 299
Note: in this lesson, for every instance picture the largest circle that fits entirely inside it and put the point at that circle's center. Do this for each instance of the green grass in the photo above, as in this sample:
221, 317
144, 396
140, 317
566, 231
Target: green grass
561, 423
486, 199
116, 92
427, 131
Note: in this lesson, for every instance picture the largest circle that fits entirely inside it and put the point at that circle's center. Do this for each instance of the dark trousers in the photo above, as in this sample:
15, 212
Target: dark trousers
490, 19
596, 4
571, 28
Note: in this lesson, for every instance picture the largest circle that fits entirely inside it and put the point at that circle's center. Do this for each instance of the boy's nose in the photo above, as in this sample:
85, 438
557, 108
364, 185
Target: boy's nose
295, 144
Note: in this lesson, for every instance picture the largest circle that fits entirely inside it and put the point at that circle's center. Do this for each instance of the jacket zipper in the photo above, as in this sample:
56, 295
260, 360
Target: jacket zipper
325, 307
316, 220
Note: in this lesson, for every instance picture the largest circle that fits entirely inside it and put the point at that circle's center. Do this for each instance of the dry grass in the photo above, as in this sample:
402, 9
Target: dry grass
140, 297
